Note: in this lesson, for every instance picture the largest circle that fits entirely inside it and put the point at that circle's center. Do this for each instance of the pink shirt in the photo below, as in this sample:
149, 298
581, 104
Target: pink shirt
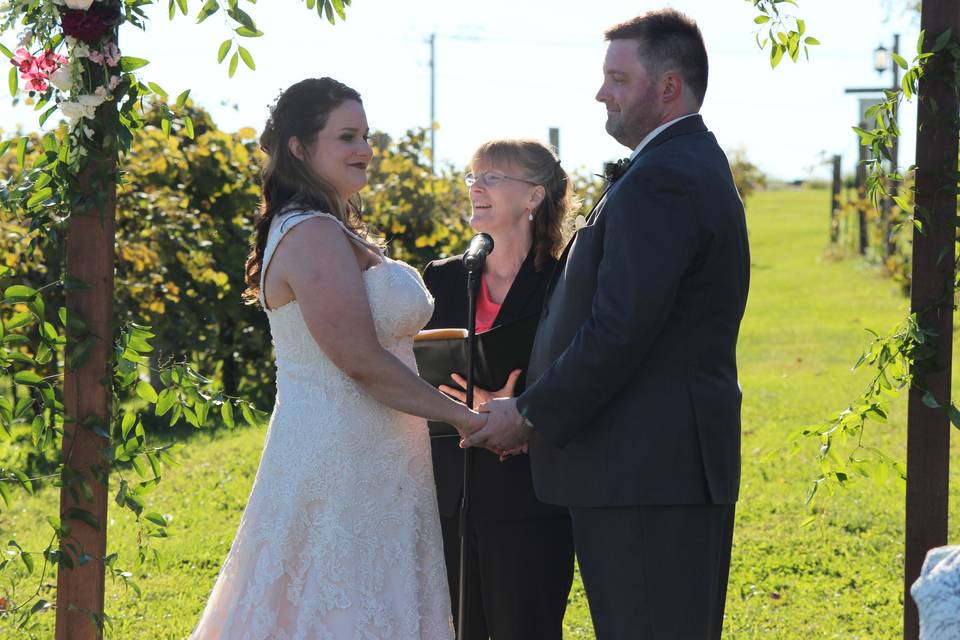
487, 310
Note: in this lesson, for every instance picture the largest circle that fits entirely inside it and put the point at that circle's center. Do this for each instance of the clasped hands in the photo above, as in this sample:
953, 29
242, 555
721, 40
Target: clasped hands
504, 432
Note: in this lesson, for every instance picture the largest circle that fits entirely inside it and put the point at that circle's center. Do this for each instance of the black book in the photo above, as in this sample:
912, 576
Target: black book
500, 350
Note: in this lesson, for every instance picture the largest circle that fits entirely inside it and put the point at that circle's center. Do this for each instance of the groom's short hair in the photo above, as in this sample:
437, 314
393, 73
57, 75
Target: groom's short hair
668, 39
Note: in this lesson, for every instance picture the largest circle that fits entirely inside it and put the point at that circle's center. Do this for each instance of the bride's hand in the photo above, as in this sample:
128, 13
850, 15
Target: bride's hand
480, 396
471, 422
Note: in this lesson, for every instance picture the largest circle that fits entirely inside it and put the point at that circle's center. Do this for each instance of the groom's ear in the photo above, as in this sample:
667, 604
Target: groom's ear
671, 86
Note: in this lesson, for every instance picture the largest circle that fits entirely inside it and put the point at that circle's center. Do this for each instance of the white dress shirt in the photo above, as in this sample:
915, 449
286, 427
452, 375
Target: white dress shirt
653, 134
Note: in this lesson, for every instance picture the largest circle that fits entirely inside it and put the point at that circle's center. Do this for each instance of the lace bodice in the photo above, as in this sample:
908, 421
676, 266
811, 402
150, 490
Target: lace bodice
341, 535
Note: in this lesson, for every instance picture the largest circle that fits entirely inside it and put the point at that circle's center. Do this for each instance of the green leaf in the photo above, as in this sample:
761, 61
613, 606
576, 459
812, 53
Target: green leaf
762, 19
38, 429
930, 400
165, 400
188, 125
224, 49
128, 422
233, 64
70, 283
46, 114
139, 467
39, 196
146, 391
810, 40
226, 412
20, 319
182, 99
83, 516
128, 63
6, 52
27, 562
29, 378
247, 58
247, 32
21, 151
157, 89
901, 61
13, 81
121, 496
156, 519
183, 6
5, 493
954, 416
19, 293
210, 8
247, 414
941, 41
24, 480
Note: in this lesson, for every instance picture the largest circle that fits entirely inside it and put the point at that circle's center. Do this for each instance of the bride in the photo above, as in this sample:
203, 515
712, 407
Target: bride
340, 537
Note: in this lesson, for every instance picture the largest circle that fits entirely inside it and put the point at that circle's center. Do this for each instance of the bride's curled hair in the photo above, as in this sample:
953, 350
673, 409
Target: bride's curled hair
301, 111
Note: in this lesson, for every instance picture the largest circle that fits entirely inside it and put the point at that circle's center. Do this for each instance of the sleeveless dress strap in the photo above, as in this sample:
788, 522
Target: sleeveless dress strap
287, 220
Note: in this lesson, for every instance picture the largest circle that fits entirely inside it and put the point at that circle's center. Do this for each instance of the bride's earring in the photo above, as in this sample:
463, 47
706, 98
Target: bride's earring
530, 217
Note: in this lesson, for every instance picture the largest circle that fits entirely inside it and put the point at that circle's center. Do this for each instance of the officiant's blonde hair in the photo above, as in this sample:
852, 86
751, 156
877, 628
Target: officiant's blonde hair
539, 164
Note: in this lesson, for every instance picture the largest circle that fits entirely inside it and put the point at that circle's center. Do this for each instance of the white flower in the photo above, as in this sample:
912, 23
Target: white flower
114, 82
25, 39
62, 79
101, 92
78, 49
83, 5
82, 107
74, 111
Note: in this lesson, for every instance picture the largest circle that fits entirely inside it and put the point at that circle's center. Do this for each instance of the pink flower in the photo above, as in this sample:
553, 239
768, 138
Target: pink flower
111, 54
50, 61
36, 82
23, 60
36, 70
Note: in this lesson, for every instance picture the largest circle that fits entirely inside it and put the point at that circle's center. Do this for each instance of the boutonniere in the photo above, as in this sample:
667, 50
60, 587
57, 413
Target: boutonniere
579, 222
612, 171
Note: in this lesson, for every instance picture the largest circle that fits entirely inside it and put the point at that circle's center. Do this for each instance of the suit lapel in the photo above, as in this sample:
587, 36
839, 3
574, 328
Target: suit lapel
520, 293
693, 124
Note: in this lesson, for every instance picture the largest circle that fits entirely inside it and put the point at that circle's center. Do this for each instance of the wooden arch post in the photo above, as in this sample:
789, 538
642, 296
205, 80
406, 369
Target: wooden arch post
928, 430
87, 392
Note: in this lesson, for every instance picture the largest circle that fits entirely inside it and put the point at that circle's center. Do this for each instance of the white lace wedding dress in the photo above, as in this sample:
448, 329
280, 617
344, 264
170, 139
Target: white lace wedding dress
340, 537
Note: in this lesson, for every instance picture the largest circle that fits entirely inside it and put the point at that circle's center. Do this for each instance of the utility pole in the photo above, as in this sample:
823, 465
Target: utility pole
432, 40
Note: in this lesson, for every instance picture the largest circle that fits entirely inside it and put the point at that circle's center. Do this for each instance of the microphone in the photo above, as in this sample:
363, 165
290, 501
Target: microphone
481, 245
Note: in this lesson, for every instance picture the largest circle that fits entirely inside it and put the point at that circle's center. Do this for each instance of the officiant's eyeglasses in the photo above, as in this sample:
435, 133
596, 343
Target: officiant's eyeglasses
491, 179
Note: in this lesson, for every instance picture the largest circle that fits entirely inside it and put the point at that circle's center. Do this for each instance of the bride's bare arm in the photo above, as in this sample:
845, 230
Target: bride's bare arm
320, 266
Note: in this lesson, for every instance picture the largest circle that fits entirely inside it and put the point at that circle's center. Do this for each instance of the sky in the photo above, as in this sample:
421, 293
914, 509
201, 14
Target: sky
515, 68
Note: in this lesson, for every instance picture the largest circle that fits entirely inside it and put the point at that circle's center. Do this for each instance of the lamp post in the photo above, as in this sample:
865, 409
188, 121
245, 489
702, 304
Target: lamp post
882, 61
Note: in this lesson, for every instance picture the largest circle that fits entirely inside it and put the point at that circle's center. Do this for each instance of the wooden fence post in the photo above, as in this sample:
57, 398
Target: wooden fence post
835, 201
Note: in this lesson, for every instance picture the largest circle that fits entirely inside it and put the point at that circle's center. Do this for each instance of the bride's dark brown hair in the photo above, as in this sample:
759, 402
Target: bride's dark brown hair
302, 112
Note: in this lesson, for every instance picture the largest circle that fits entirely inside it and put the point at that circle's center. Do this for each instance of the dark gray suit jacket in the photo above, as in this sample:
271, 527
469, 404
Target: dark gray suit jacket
632, 383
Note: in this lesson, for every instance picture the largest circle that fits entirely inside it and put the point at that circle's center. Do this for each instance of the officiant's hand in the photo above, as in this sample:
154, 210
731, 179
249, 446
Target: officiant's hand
481, 396
504, 430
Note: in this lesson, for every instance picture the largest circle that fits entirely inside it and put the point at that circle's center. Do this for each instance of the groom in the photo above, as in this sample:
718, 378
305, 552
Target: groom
632, 408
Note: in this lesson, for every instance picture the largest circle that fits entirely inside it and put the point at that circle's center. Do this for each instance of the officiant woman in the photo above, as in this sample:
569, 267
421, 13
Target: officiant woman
521, 560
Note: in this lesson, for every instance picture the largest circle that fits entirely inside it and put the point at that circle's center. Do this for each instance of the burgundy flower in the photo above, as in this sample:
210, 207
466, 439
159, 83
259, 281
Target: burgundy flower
90, 25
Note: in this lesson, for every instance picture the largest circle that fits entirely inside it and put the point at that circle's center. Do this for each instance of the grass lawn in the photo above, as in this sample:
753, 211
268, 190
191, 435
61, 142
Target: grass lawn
839, 578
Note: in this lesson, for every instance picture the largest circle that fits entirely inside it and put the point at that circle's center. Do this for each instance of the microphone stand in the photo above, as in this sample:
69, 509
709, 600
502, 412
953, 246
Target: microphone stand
473, 283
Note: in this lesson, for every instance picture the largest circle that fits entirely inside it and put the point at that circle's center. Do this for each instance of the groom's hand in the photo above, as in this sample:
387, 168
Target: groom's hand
504, 429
